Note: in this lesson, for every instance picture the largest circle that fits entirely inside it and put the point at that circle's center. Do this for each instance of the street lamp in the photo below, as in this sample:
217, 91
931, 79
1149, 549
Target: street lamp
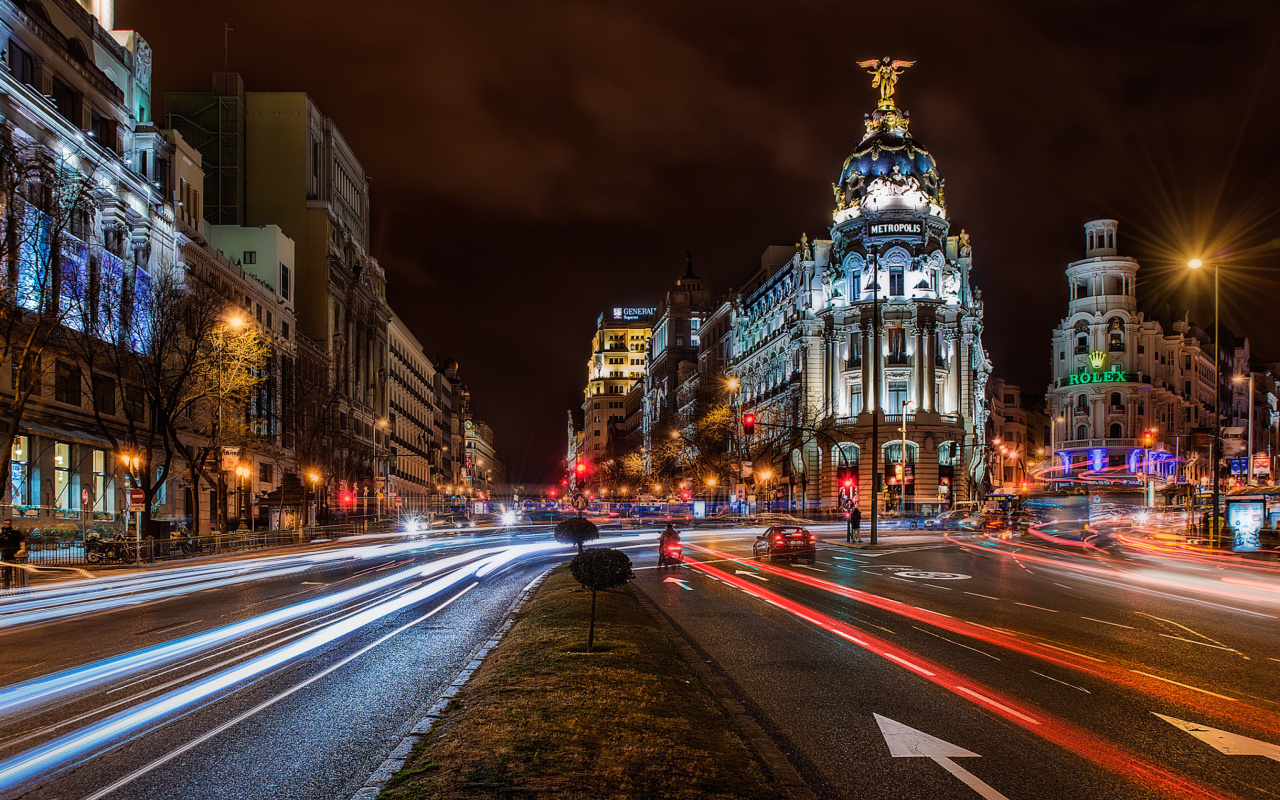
314, 478
1249, 452
242, 474
902, 482
1215, 448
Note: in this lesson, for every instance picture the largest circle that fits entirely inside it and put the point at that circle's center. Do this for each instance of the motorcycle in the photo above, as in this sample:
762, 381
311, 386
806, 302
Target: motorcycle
670, 554
118, 549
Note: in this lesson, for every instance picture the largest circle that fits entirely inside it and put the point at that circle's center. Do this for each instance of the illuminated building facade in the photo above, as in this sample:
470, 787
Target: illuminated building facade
804, 336
1118, 374
617, 363
673, 352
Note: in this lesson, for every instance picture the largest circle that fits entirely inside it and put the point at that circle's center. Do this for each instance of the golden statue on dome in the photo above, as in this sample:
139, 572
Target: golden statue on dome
886, 71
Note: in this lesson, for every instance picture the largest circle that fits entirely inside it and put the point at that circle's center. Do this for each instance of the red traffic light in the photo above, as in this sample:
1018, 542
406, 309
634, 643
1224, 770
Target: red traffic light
748, 423
581, 467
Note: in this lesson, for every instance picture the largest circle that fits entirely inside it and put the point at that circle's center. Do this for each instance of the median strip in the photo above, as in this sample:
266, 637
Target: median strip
541, 717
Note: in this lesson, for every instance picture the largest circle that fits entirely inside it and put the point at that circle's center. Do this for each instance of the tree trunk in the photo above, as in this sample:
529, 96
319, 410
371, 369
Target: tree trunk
591, 630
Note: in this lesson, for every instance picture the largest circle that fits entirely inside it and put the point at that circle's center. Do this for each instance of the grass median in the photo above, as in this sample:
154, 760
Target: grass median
544, 719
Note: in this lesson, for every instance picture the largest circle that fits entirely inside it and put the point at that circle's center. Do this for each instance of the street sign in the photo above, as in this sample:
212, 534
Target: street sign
136, 508
399, 501
579, 501
137, 497
846, 503
84, 497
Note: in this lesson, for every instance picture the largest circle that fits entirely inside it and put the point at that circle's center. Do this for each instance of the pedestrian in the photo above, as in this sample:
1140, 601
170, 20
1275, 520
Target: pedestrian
856, 522
11, 540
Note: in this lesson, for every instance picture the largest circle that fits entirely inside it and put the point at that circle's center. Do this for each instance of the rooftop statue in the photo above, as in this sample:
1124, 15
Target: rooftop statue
886, 71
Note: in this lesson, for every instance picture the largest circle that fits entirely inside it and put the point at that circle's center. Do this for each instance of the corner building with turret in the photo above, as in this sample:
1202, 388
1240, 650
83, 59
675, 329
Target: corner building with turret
804, 337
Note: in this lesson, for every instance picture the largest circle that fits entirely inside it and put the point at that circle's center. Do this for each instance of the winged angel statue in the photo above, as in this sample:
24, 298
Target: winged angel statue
886, 71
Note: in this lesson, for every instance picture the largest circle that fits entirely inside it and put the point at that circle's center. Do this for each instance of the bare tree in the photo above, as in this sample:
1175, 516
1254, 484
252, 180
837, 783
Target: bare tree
46, 208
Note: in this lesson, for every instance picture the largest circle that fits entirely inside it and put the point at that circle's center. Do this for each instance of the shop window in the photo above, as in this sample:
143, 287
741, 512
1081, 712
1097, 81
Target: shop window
62, 478
20, 472
102, 501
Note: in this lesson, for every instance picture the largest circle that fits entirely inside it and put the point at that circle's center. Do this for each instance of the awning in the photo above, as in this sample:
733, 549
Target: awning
64, 435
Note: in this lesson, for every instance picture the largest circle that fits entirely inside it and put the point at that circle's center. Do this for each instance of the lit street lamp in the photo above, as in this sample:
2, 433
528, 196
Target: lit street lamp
1249, 452
1215, 448
243, 471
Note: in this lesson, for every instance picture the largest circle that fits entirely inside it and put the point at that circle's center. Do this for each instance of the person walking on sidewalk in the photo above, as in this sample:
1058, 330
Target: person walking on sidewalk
11, 540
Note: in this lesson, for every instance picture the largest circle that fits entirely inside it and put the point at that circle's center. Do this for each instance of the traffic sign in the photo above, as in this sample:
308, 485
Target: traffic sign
579, 501
84, 497
136, 508
846, 503
137, 497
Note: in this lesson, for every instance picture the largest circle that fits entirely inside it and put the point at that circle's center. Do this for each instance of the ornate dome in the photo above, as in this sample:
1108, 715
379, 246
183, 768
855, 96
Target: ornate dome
888, 169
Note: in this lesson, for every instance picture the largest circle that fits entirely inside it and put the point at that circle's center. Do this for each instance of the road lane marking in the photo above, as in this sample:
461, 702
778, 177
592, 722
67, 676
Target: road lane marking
1041, 608
683, 584
1216, 643
909, 665
1104, 622
751, 574
1072, 652
987, 700
907, 742
1202, 644
131, 777
957, 644
1184, 685
1064, 683
943, 588
806, 566
989, 597
1231, 744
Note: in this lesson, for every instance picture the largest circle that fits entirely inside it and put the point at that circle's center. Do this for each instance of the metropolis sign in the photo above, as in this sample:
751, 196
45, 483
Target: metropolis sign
901, 228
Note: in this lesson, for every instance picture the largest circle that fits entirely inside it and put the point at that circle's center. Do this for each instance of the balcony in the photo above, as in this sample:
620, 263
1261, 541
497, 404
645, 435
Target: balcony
1085, 444
1081, 412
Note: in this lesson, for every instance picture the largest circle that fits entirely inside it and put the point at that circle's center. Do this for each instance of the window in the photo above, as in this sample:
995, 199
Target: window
855, 400
250, 257
284, 329
897, 397
100, 495
265, 472
895, 282
103, 130
1082, 432
66, 383
284, 281
64, 99
21, 64
26, 373
62, 477
135, 404
1116, 430
1008, 399
1062, 355
19, 472
897, 346
104, 395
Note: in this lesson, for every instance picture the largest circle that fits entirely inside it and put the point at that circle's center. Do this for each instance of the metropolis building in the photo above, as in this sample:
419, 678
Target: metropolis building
804, 334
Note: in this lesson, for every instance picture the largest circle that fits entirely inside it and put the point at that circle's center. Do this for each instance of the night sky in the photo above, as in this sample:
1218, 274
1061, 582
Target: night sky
536, 163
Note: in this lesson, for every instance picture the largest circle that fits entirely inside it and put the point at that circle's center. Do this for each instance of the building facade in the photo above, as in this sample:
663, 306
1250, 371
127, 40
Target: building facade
1118, 375
618, 356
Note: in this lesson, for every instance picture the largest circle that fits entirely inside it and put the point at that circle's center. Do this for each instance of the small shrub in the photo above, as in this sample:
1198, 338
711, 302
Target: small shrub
576, 530
599, 570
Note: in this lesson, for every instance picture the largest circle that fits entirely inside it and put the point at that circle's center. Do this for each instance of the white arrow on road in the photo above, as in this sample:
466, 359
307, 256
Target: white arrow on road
907, 742
751, 574
1233, 744
683, 585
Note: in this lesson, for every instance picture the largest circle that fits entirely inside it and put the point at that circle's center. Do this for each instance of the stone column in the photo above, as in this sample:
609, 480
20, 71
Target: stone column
1097, 417
957, 360
917, 367
930, 368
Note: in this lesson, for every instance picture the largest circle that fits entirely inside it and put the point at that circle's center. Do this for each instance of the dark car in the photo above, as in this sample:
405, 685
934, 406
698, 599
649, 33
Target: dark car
950, 521
786, 541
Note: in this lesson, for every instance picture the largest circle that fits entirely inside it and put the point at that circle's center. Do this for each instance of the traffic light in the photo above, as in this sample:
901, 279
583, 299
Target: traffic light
581, 468
348, 499
748, 423
1148, 439
847, 477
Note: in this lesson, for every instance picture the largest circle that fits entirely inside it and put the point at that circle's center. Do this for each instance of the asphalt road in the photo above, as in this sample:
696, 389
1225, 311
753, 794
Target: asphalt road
289, 674
1041, 669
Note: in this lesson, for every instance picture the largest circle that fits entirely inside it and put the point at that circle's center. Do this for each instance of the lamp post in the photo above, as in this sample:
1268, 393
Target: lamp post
876, 409
1249, 452
902, 456
313, 478
1215, 448
131, 464
235, 322
242, 476
733, 385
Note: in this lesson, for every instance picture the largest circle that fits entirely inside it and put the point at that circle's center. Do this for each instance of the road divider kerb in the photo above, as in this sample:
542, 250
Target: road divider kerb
394, 762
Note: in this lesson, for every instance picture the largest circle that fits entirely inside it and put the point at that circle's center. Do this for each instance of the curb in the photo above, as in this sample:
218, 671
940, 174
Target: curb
395, 762
778, 764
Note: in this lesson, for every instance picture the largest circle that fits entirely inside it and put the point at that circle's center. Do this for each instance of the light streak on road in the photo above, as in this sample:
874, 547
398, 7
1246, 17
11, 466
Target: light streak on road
1094, 749
96, 737
1239, 711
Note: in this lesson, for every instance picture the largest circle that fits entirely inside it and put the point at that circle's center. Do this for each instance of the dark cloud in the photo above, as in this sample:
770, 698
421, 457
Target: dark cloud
535, 163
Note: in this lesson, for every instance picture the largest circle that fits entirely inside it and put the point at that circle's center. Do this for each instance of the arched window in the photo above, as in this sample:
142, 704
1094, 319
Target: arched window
1116, 403
893, 452
1115, 335
1117, 430
1082, 432
1082, 402
797, 463
948, 454
1082, 337
851, 454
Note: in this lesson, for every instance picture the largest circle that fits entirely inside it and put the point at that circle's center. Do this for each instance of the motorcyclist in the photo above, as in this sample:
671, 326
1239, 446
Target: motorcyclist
669, 536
